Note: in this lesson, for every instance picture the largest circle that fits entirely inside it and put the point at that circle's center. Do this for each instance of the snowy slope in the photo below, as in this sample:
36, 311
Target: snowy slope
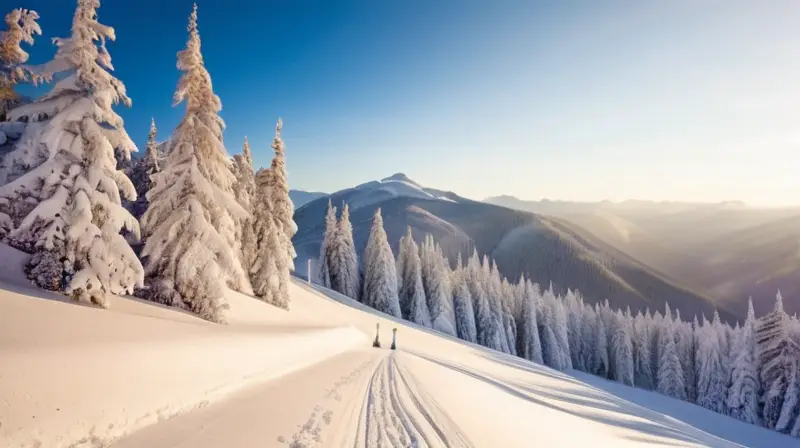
75, 374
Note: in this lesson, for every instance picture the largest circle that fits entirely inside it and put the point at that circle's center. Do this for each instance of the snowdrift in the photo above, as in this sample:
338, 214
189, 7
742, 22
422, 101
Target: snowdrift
73, 374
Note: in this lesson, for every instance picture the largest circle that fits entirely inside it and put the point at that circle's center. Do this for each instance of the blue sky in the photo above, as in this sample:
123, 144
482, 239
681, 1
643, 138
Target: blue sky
571, 99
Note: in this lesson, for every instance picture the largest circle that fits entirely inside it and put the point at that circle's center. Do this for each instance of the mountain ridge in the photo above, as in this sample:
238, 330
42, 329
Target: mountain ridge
541, 247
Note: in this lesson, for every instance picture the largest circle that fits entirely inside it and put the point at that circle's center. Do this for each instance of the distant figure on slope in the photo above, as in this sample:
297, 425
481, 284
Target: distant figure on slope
377, 342
394, 336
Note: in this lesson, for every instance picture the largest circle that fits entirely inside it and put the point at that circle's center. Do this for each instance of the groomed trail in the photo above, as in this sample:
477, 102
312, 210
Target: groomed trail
370, 399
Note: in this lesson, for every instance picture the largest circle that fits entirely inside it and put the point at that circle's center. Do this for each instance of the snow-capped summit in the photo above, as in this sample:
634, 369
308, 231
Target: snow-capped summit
373, 192
401, 177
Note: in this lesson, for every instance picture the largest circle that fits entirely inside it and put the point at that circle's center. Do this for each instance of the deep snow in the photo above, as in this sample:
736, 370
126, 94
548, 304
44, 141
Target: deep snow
302, 378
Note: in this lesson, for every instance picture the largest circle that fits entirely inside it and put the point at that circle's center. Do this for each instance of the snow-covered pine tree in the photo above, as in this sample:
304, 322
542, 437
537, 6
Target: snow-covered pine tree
600, 356
724, 350
74, 224
776, 351
508, 320
530, 347
279, 245
380, 274
742, 399
589, 328
190, 224
561, 330
326, 248
711, 387
574, 307
655, 323
685, 343
244, 191
282, 206
462, 304
270, 261
435, 281
790, 411
344, 261
411, 291
642, 366
484, 320
21, 26
264, 272
554, 351
494, 288
622, 351
670, 374
443, 313
140, 171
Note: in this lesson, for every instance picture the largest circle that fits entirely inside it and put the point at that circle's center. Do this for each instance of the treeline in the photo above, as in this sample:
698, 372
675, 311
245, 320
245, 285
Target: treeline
750, 372
178, 226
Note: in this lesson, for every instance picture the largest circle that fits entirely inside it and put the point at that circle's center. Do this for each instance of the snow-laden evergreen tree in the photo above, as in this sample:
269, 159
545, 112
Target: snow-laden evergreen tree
437, 287
666, 329
282, 207
140, 171
776, 351
344, 275
190, 224
589, 328
724, 348
742, 399
264, 272
711, 382
551, 349
574, 308
790, 411
670, 374
685, 343
21, 26
508, 320
621, 351
443, 315
244, 191
601, 365
642, 366
279, 246
462, 304
380, 274
530, 347
484, 319
75, 212
329, 239
561, 330
493, 283
411, 291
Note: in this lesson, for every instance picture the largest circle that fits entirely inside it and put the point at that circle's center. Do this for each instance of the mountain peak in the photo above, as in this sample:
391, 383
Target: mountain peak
400, 177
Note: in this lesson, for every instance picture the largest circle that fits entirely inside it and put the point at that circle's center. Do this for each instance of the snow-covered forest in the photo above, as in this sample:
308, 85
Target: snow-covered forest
177, 226
187, 221
749, 371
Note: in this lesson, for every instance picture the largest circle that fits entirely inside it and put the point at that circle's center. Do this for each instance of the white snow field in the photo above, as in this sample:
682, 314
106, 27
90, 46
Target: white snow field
142, 375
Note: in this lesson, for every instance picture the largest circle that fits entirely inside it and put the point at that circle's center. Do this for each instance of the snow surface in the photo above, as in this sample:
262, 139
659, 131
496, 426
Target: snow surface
63, 385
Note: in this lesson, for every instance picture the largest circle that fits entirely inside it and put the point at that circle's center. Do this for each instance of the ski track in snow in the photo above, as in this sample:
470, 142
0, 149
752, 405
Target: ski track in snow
397, 412
310, 433
393, 411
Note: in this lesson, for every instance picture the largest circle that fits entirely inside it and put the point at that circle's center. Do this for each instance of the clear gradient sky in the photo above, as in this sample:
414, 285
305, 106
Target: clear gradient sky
565, 99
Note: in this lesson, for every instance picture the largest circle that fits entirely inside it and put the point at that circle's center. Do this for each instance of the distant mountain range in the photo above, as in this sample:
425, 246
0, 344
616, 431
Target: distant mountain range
300, 198
546, 248
728, 251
